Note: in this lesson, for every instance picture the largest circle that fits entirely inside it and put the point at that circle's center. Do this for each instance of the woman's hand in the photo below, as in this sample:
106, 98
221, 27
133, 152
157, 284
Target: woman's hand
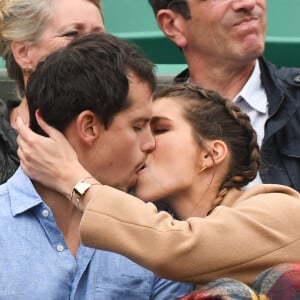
49, 160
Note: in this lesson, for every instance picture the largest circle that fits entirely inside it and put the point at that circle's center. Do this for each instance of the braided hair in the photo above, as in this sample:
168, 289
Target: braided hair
214, 117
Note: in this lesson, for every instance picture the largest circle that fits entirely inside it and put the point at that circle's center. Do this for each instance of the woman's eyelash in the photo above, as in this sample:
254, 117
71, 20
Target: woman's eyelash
159, 130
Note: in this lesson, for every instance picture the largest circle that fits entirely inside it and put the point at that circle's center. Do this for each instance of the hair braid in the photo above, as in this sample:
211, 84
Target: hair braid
249, 171
240, 175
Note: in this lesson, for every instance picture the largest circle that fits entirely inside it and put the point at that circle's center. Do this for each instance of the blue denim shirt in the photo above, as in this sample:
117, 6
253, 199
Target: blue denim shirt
35, 262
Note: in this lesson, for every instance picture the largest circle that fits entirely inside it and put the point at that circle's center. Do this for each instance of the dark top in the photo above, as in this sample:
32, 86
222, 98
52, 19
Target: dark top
9, 160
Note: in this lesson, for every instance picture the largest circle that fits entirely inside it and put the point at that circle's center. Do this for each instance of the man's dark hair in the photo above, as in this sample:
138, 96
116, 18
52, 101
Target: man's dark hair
91, 73
179, 6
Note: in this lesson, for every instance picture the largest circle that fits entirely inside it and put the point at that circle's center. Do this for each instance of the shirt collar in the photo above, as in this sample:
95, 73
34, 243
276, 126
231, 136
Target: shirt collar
253, 92
23, 195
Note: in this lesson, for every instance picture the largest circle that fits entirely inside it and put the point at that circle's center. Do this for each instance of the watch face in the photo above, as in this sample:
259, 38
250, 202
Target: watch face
81, 187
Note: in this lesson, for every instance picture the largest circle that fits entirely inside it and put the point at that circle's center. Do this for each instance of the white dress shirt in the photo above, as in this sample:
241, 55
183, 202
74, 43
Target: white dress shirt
252, 100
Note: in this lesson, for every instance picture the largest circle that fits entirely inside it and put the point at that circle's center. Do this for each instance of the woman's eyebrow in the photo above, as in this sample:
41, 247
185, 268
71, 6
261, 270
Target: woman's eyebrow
156, 119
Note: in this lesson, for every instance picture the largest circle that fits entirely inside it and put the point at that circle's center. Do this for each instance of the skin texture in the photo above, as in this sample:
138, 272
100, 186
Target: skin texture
180, 172
114, 155
221, 40
68, 20
227, 32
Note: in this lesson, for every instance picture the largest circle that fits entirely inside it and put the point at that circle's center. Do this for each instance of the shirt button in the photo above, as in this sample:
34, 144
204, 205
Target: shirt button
60, 248
45, 213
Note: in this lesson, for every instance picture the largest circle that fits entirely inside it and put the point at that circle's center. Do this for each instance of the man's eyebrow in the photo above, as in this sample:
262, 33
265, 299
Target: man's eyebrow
143, 119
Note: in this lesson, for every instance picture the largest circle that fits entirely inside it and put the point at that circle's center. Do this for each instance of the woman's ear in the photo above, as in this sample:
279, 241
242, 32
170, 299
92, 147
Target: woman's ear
217, 152
171, 24
88, 127
21, 54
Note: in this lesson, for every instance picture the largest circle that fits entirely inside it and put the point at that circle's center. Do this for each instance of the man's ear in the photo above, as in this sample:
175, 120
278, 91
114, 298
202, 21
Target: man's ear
21, 52
88, 127
171, 24
217, 153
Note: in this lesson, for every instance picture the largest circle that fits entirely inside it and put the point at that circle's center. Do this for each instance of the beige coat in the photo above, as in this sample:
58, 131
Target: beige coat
248, 233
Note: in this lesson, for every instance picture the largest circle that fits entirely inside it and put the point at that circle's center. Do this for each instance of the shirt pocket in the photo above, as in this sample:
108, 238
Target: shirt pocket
116, 286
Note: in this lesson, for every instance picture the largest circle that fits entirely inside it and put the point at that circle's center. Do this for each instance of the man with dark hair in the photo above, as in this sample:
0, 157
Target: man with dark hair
223, 42
97, 91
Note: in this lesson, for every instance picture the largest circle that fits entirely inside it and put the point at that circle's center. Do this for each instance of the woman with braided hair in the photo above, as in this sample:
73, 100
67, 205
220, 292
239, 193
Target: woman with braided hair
206, 152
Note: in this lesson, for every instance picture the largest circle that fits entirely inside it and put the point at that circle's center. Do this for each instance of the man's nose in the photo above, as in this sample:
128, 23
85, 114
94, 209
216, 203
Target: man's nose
243, 4
148, 144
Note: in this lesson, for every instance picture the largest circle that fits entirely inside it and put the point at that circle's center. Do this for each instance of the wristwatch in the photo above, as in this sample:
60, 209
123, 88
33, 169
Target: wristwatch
80, 189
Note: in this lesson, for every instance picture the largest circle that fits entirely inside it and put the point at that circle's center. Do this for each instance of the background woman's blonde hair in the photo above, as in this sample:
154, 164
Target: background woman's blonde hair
23, 21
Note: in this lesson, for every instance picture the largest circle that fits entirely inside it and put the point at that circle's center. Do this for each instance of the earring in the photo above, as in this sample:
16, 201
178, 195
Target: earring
202, 168
27, 71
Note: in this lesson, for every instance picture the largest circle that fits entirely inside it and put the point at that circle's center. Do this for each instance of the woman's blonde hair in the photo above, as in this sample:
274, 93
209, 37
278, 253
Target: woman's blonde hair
23, 21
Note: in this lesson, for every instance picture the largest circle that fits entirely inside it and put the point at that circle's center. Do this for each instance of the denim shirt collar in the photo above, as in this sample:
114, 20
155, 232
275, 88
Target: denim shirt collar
23, 195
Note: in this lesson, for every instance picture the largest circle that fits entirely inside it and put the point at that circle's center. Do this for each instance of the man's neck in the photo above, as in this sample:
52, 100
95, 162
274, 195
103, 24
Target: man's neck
22, 111
66, 215
227, 79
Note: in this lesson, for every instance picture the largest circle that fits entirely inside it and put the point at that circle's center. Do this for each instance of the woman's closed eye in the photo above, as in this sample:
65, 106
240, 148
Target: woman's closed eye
156, 130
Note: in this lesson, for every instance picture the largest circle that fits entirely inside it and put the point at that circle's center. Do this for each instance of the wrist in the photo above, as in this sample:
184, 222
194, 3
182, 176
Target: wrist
80, 189
71, 177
